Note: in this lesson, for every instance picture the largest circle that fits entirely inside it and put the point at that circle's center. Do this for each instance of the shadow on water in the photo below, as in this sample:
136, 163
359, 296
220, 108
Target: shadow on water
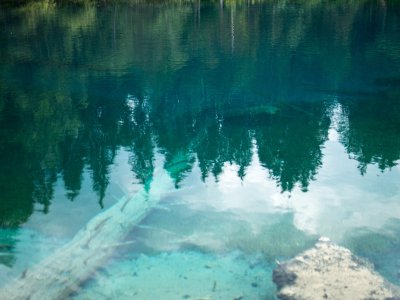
380, 247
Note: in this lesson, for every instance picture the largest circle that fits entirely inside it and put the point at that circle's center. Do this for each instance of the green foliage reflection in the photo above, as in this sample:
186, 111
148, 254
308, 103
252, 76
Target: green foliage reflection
208, 83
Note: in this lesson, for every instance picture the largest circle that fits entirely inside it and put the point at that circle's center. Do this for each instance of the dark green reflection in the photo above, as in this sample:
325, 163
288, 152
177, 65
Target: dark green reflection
372, 129
209, 83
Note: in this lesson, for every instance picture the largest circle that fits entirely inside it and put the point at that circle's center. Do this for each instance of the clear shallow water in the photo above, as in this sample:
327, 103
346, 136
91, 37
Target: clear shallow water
284, 118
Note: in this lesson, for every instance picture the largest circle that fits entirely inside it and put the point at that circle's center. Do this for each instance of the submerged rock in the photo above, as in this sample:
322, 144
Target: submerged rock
328, 271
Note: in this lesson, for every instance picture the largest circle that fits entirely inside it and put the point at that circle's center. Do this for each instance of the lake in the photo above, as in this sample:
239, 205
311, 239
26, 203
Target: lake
272, 123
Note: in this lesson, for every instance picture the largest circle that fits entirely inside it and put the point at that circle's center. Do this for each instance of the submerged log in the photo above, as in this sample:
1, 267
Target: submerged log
329, 271
62, 273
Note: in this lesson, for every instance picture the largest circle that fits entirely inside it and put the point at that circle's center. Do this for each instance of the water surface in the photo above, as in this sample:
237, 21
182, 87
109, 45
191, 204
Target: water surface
283, 119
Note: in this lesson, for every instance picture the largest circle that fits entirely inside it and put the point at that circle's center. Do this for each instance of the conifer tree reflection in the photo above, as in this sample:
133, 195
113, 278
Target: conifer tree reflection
289, 145
224, 140
109, 83
371, 135
136, 134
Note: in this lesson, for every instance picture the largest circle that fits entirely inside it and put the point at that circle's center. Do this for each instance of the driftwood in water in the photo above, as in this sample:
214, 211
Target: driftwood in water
61, 274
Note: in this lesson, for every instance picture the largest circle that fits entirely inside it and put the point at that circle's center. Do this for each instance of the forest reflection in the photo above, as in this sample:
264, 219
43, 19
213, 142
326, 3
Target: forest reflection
199, 84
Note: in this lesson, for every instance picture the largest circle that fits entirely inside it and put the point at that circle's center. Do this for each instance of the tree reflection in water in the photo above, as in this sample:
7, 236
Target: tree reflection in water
79, 83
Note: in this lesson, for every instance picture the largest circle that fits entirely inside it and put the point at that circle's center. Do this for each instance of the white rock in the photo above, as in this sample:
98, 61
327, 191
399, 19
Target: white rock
329, 271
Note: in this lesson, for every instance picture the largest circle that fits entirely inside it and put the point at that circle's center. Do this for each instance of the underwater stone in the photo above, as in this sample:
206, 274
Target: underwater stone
328, 271
282, 276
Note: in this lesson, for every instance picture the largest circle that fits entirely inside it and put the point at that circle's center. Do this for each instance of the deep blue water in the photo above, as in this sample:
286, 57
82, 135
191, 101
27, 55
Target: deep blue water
277, 122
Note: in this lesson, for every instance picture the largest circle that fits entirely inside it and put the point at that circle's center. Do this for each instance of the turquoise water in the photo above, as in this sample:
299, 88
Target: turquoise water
277, 122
